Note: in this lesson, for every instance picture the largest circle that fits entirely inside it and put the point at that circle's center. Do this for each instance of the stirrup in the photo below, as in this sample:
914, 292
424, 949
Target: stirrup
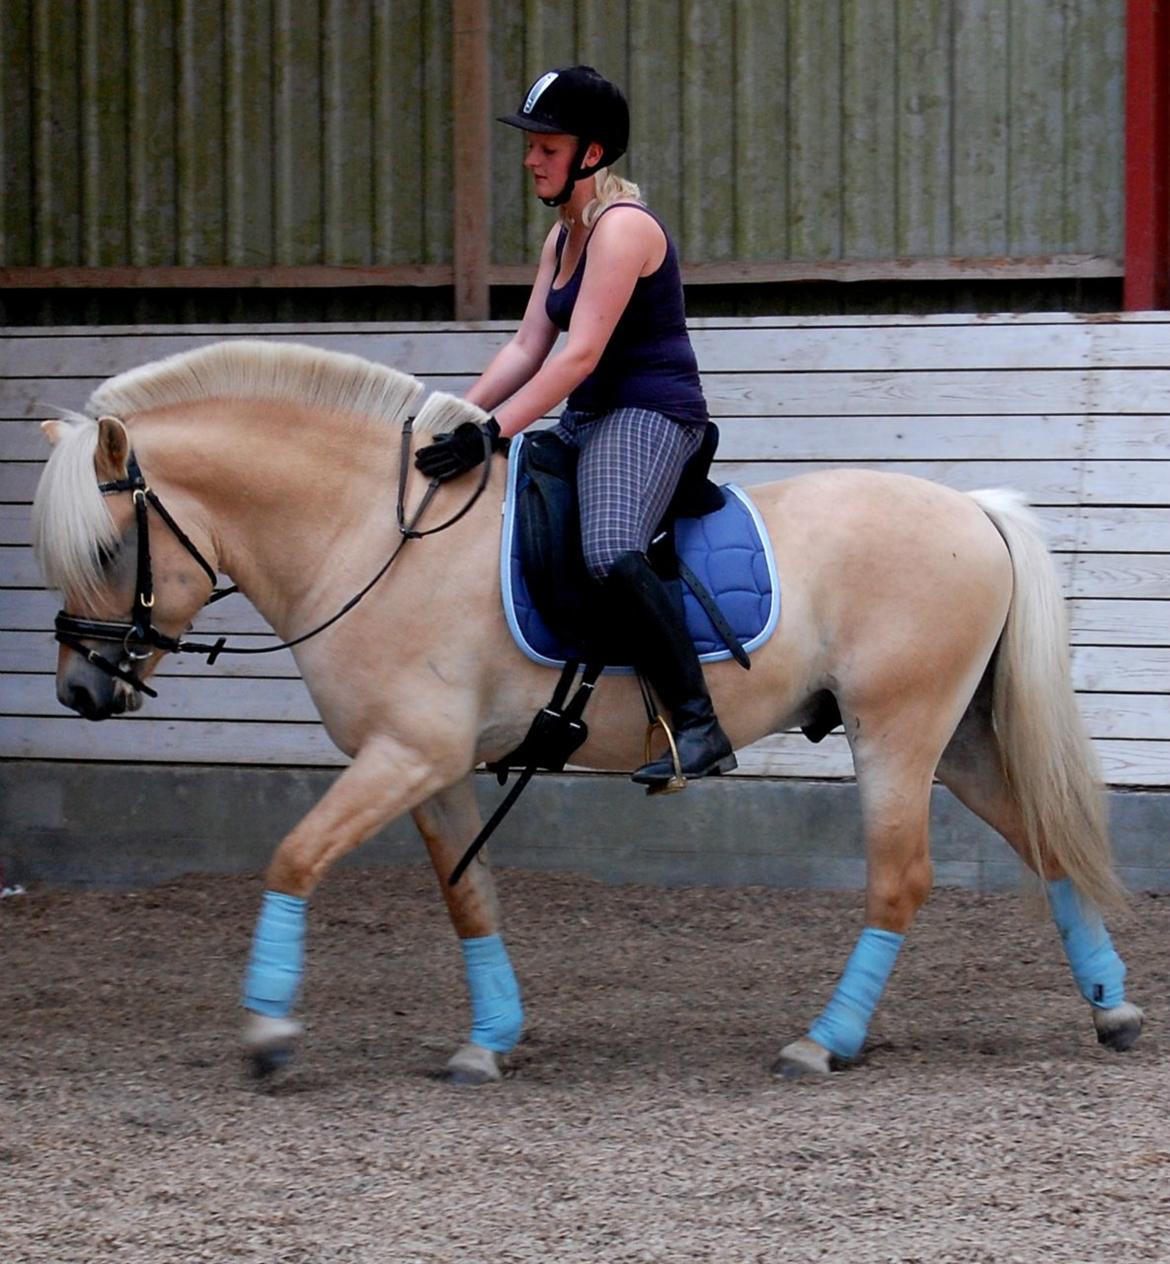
678, 781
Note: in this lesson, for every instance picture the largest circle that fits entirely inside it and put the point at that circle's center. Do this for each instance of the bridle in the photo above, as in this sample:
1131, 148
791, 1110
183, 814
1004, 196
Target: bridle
140, 638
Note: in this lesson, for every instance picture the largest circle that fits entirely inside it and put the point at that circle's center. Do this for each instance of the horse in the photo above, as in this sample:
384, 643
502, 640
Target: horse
932, 618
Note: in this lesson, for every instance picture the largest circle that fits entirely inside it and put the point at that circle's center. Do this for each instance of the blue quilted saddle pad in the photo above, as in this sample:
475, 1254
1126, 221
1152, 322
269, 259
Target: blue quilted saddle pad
729, 550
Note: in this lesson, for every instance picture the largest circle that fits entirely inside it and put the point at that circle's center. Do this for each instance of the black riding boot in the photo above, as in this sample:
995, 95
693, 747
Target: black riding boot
645, 611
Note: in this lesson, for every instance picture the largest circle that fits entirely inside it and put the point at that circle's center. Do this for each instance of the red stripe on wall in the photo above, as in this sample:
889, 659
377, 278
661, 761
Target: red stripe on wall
1147, 155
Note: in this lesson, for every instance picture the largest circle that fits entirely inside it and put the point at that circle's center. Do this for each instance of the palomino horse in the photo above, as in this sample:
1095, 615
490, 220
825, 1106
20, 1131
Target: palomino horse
933, 618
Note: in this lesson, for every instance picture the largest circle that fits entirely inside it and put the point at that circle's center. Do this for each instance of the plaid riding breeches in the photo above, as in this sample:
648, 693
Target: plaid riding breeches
629, 464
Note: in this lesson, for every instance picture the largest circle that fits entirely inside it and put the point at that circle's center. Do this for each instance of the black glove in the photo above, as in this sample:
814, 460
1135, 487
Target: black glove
459, 450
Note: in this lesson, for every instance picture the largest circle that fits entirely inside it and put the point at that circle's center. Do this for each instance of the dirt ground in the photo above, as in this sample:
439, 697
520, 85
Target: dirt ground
638, 1121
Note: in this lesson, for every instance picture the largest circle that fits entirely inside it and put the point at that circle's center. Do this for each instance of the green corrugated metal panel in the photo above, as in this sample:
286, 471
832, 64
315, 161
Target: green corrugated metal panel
257, 132
238, 132
862, 129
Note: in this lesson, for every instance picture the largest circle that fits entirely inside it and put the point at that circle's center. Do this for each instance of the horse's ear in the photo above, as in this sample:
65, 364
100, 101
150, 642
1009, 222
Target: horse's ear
53, 430
113, 450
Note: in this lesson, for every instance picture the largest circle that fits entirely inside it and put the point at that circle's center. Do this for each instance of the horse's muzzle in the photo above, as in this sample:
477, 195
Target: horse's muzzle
92, 693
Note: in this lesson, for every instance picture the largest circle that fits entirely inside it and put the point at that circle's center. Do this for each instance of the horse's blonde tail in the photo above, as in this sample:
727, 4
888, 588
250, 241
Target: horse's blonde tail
1047, 757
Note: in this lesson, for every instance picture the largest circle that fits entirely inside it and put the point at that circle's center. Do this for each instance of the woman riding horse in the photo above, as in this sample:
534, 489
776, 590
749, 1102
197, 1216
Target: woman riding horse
609, 278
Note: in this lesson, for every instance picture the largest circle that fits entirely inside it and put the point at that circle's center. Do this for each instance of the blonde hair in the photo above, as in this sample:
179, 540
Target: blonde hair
607, 189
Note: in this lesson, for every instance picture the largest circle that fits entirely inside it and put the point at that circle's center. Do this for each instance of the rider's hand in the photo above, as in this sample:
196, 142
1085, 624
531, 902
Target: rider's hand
459, 450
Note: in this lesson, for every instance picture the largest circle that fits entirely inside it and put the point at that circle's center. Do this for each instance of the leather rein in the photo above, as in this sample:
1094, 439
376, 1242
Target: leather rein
139, 637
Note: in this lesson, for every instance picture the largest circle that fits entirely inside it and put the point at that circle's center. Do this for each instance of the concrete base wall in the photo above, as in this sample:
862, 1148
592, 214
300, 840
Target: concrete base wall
102, 825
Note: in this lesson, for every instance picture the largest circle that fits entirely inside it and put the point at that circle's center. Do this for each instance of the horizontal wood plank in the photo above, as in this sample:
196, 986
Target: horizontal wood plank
37, 652
1042, 482
1091, 621
1123, 762
1075, 528
754, 345
128, 739
1138, 669
1099, 575
1135, 716
1098, 669
1010, 392
1116, 575
847, 440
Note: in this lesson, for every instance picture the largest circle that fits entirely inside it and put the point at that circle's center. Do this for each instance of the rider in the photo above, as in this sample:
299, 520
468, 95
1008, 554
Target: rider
609, 278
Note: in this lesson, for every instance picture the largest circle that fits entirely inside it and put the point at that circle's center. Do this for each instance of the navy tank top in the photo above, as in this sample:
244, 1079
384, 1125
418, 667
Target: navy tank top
649, 361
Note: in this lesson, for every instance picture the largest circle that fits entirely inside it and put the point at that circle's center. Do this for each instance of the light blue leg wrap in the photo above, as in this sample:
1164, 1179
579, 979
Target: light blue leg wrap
843, 1023
278, 955
496, 1013
1098, 970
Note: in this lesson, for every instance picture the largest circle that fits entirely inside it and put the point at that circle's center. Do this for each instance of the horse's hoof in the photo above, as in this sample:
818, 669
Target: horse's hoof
1118, 1028
802, 1058
269, 1043
473, 1066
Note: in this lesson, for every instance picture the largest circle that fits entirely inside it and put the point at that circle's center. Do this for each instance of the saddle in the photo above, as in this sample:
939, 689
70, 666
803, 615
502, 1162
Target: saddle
710, 549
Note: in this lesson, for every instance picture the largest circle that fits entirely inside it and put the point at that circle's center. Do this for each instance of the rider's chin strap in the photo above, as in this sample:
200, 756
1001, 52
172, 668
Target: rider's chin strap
578, 171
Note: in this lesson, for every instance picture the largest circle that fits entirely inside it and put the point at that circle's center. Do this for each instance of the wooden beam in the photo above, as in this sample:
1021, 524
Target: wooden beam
731, 272
292, 277
852, 271
472, 154
1147, 155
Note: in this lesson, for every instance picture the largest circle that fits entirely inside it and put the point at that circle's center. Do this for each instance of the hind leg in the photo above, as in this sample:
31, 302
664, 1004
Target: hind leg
895, 802
972, 770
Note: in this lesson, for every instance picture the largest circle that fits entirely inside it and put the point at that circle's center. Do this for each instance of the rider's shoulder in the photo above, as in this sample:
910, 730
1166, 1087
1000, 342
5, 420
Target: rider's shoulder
626, 220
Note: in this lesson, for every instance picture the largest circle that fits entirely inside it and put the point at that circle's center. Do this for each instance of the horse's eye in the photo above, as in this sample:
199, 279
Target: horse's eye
106, 555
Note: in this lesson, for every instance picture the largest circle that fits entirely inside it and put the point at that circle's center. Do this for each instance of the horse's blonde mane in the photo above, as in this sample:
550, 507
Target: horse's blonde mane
71, 524
249, 369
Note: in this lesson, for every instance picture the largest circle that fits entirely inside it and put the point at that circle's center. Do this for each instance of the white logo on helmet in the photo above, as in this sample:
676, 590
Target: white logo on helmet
537, 88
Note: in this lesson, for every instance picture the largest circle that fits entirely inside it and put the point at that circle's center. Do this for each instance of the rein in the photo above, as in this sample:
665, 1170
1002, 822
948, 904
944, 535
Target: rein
139, 637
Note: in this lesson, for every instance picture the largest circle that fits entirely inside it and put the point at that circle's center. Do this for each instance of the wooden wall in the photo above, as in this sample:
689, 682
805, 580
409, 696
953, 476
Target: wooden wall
1071, 410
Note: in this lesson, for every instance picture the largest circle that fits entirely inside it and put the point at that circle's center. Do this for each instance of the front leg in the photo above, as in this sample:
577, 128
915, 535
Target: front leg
384, 780
448, 823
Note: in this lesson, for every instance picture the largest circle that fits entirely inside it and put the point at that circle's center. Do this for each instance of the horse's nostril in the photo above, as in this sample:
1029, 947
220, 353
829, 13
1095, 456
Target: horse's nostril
78, 698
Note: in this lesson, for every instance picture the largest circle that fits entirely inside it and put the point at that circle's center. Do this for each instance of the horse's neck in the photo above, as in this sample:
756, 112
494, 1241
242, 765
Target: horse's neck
300, 507
294, 502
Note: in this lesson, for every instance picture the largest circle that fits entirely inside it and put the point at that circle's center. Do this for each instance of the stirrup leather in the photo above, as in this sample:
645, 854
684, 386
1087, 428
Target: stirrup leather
678, 781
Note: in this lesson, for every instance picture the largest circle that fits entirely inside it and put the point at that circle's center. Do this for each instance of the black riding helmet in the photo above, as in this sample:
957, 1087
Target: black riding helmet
576, 101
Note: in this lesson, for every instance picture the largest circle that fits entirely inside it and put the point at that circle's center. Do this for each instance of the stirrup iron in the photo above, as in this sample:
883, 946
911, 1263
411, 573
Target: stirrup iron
678, 781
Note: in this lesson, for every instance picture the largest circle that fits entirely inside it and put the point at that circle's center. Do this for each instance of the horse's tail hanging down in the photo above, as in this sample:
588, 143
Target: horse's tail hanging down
1047, 756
